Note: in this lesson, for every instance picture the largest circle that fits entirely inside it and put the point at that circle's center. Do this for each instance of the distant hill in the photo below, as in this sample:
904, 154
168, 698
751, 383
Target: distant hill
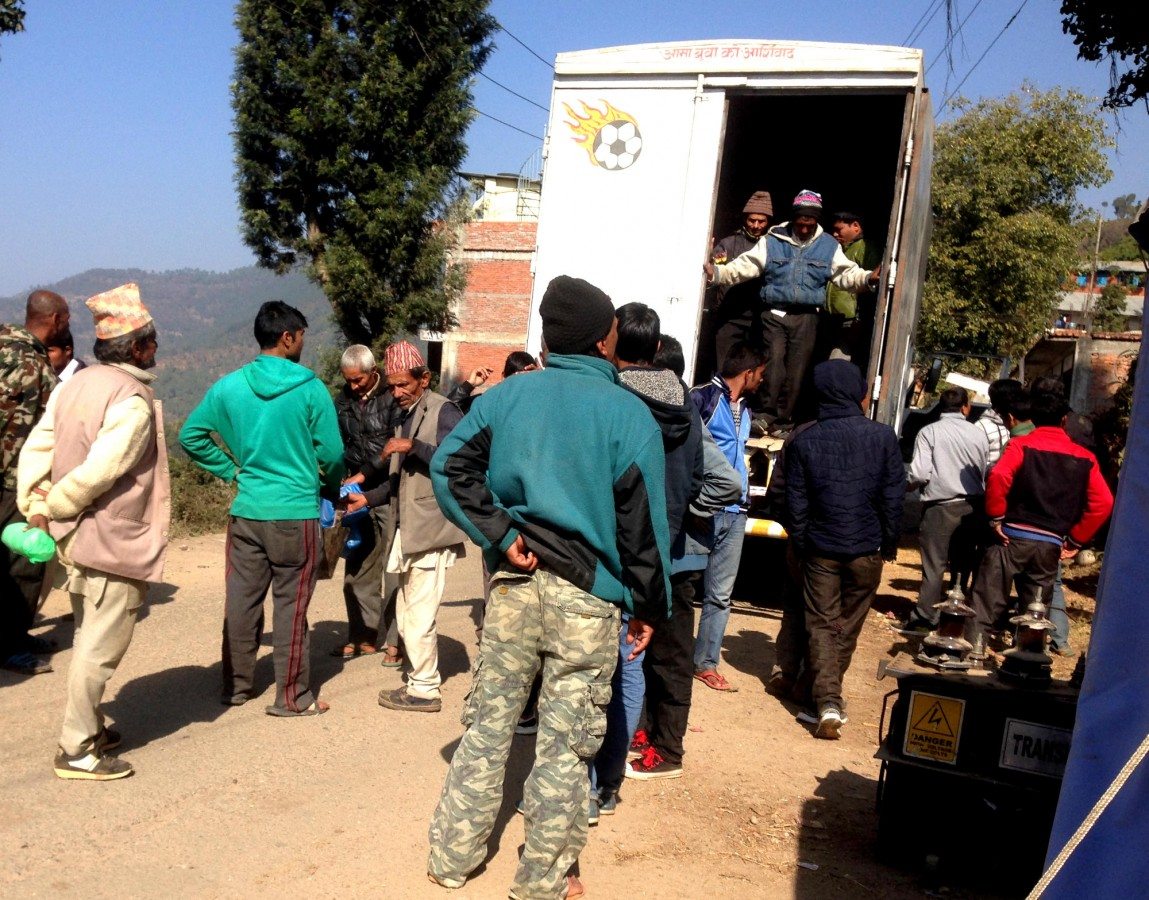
204, 321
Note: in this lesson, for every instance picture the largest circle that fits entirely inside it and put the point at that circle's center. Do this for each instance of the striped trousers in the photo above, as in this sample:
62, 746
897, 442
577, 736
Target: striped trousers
281, 555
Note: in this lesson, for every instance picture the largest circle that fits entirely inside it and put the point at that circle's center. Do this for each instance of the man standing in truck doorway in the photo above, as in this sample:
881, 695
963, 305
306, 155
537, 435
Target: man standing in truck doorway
849, 313
796, 260
737, 315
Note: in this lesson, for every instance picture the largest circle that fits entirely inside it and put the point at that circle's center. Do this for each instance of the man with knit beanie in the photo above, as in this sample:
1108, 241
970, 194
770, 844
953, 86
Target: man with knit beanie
422, 543
574, 532
278, 422
94, 473
796, 260
737, 316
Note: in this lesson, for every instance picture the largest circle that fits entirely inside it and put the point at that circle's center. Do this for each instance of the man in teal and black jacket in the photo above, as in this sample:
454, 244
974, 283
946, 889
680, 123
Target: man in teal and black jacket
559, 477
278, 423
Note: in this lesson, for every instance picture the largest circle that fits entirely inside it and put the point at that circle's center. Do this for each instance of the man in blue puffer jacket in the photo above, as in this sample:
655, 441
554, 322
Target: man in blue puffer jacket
845, 484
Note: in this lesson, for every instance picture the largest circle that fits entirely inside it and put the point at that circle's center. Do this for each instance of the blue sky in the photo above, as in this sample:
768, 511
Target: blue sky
116, 149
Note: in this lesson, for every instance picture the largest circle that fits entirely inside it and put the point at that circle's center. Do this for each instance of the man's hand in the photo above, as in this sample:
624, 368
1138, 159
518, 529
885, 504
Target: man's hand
638, 635
520, 557
874, 277
355, 502
355, 479
1002, 537
396, 445
480, 376
40, 522
708, 268
1068, 551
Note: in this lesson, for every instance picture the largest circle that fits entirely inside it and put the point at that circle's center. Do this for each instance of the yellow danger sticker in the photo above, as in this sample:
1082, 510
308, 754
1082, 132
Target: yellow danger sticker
934, 727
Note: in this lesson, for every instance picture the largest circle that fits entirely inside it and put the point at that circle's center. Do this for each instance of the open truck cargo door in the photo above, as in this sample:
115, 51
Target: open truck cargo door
899, 301
628, 178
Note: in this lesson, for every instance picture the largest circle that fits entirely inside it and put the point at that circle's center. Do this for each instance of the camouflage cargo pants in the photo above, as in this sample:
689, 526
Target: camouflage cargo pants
531, 621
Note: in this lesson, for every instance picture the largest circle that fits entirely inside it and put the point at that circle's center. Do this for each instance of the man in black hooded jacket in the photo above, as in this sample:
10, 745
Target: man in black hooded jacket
671, 646
845, 484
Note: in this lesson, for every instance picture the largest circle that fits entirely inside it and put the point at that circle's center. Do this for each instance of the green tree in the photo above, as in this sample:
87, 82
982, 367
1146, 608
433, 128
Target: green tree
11, 16
1125, 206
1005, 182
349, 125
1119, 30
1123, 250
1109, 309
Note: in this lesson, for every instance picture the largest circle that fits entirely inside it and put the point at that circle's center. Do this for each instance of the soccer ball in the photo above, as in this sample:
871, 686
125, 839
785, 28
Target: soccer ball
617, 145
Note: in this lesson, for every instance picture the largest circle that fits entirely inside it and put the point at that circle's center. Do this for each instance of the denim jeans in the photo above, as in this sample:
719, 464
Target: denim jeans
1057, 614
628, 687
721, 570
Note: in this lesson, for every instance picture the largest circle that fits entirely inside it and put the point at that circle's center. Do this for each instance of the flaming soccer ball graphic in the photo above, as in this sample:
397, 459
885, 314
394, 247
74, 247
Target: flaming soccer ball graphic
610, 136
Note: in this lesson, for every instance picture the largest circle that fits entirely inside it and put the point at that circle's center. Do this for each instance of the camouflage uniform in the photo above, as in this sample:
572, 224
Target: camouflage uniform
532, 621
26, 380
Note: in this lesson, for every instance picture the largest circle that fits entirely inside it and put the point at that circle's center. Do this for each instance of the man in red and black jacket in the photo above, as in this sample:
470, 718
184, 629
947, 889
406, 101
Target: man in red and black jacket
1045, 498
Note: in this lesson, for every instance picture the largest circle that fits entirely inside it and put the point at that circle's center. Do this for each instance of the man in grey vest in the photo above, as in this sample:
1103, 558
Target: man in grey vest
94, 472
422, 543
796, 260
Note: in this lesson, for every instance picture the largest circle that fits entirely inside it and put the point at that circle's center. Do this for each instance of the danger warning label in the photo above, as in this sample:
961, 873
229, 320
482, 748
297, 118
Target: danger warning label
934, 727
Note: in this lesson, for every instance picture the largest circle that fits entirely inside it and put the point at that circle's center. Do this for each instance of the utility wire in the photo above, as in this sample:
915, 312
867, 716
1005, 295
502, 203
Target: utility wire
537, 137
516, 93
953, 93
922, 22
546, 63
949, 41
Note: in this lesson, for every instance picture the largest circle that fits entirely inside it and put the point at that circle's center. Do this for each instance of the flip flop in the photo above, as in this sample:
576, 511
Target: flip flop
392, 660
351, 651
713, 680
317, 708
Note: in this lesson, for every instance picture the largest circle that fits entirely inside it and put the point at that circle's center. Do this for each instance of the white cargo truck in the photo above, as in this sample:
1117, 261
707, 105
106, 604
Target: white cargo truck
651, 151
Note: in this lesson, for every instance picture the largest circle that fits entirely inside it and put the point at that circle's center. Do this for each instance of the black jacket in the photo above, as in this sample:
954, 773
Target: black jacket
845, 480
366, 426
668, 400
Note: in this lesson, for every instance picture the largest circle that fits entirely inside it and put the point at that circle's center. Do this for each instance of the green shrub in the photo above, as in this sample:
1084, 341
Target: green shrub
200, 501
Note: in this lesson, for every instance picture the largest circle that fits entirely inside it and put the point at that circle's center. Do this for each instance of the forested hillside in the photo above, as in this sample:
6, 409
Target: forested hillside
204, 321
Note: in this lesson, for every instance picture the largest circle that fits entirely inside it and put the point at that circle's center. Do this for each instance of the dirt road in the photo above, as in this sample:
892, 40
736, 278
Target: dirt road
230, 802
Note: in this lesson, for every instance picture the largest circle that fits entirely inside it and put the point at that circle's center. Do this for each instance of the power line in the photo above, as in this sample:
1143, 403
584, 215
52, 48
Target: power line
952, 93
545, 62
946, 47
915, 31
516, 93
507, 124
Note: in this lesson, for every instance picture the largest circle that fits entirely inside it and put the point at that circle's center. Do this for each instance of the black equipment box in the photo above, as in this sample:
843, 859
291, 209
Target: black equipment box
971, 772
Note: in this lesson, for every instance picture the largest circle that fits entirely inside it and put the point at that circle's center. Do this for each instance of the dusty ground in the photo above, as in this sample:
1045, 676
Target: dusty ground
233, 803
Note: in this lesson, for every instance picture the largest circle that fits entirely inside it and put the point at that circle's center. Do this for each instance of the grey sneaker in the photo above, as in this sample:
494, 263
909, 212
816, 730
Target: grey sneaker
94, 765
592, 812
399, 699
829, 725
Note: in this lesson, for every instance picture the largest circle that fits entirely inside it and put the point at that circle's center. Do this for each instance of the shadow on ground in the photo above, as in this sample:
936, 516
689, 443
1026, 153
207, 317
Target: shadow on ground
751, 653
840, 823
154, 706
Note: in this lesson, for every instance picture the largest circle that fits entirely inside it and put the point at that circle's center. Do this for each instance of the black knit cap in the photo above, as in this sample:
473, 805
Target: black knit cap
576, 315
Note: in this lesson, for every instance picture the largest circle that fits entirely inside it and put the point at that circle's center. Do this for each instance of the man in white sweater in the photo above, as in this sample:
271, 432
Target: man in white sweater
796, 260
94, 473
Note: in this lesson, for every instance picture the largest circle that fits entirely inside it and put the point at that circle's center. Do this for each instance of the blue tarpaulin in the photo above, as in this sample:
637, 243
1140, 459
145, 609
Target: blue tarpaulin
1113, 709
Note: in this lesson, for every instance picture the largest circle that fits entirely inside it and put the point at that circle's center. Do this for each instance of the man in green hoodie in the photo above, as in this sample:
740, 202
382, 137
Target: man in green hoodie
278, 425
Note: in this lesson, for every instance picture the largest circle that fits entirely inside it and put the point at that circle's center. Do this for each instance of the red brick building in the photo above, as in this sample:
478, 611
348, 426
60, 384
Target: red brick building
498, 246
